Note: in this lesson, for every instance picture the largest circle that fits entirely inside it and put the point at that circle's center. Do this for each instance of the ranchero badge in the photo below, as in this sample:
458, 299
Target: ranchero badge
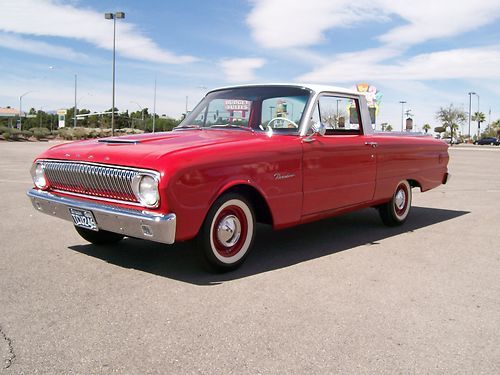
283, 176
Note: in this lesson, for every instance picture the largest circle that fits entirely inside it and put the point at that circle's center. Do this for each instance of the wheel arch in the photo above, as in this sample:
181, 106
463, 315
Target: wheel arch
414, 183
259, 204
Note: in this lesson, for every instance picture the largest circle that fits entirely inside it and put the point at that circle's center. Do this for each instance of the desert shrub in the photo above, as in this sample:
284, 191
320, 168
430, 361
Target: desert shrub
26, 134
80, 133
65, 133
14, 134
40, 133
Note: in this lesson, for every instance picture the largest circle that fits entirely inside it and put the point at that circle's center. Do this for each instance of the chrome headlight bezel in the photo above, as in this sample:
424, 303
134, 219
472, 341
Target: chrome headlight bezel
146, 189
37, 172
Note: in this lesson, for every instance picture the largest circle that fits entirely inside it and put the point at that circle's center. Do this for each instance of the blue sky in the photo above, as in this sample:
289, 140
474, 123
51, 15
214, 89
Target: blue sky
429, 53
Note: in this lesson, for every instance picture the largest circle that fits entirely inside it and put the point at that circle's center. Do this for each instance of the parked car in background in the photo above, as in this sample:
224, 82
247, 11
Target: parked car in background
280, 154
451, 141
488, 141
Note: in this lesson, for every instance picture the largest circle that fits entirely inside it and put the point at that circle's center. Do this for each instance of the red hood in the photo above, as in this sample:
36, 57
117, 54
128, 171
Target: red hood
145, 149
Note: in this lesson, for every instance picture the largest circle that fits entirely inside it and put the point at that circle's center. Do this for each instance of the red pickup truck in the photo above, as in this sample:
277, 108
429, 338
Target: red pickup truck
281, 154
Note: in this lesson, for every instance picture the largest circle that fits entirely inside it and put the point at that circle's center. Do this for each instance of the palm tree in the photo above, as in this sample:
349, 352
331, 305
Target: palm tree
426, 128
451, 117
479, 117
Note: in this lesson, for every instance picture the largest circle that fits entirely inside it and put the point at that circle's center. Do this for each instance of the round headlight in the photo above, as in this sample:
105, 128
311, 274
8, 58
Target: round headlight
38, 174
148, 191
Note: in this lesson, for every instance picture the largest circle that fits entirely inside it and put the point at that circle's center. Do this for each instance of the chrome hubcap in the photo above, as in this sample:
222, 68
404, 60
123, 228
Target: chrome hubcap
400, 199
229, 231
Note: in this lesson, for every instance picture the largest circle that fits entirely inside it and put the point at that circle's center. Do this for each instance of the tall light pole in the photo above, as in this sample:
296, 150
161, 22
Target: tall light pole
478, 120
74, 114
402, 102
142, 111
114, 16
154, 108
470, 100
21, 107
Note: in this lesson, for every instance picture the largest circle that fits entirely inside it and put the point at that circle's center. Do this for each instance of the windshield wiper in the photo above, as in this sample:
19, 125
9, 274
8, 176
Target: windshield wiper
233, 126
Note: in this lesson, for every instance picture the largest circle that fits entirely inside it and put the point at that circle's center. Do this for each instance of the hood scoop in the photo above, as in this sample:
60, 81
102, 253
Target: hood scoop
119, 141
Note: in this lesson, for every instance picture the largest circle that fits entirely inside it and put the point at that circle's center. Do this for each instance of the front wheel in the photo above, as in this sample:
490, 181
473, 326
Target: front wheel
101, 237
395, 212
227, 233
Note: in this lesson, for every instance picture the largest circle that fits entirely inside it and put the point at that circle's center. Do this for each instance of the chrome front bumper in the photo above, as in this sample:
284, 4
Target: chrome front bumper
131, 223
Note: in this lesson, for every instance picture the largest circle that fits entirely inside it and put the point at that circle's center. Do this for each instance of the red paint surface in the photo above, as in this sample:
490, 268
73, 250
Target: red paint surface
332, 175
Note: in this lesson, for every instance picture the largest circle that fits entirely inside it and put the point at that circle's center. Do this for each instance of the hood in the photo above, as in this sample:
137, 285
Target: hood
144, 149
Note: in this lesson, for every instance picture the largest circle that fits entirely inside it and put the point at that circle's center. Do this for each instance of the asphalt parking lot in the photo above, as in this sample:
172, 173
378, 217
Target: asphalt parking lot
344, 295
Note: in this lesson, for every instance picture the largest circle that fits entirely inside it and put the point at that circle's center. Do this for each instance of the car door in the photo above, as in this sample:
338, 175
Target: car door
339, 168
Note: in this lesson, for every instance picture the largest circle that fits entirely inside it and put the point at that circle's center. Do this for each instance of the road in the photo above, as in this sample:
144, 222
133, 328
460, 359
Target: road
344, 295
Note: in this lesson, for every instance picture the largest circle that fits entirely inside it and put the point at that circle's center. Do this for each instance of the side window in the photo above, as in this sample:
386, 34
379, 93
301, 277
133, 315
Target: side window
340, 115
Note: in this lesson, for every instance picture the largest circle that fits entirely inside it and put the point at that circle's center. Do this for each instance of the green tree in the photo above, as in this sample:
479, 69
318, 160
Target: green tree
451, 117
388, 128
479, 117
493, 130
426, 128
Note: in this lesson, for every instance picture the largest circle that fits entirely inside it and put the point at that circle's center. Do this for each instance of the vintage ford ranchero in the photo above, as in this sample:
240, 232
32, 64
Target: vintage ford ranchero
281, 154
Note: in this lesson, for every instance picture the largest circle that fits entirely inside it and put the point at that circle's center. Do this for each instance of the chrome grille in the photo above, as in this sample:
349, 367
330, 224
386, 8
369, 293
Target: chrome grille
91, 179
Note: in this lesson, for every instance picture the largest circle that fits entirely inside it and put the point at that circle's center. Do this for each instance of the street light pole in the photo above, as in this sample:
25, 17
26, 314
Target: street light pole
74, 114
114, 16
21, 108
478, 119
154, 108
402, 102
142, 112
470, 100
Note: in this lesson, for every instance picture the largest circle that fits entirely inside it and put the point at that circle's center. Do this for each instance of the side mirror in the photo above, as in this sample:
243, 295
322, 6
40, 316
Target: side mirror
317, 128
322, 130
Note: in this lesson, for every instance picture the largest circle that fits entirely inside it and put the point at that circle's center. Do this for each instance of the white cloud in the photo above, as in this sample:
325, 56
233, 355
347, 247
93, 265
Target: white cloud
295, 23
241, 69
452, 64
431, 19
51, 18
40, 48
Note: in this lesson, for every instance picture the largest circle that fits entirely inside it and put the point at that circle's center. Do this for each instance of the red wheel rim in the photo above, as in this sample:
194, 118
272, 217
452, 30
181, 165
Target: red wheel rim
229, 244
401, 200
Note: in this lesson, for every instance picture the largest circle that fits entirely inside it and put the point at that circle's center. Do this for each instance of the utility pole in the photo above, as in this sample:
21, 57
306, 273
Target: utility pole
74, 114
154, 108
402, 102
113, 16
470, 101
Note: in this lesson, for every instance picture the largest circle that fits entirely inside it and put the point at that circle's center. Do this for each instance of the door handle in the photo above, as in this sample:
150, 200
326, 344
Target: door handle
373, 144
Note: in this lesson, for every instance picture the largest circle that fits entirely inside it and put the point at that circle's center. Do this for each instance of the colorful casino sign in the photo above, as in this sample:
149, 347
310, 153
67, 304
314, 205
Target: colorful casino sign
373, 97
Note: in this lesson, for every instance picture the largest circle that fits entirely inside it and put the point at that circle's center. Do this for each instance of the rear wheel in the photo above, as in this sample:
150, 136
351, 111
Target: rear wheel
227, 233
396, 211
102, 237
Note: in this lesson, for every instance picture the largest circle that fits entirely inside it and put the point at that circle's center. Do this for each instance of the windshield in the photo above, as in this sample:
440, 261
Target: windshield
255, 108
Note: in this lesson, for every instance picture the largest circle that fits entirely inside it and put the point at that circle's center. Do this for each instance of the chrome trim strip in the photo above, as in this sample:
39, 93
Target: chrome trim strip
132, 223
118, 141
98, 198
113, 166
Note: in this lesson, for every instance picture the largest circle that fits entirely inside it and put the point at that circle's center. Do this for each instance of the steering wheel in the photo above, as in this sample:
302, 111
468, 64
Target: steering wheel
283, 119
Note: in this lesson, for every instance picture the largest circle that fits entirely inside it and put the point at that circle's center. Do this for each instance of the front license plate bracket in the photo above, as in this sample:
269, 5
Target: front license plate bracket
83, 218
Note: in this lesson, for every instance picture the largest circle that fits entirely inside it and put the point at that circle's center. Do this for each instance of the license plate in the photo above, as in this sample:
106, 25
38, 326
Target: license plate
83, 218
